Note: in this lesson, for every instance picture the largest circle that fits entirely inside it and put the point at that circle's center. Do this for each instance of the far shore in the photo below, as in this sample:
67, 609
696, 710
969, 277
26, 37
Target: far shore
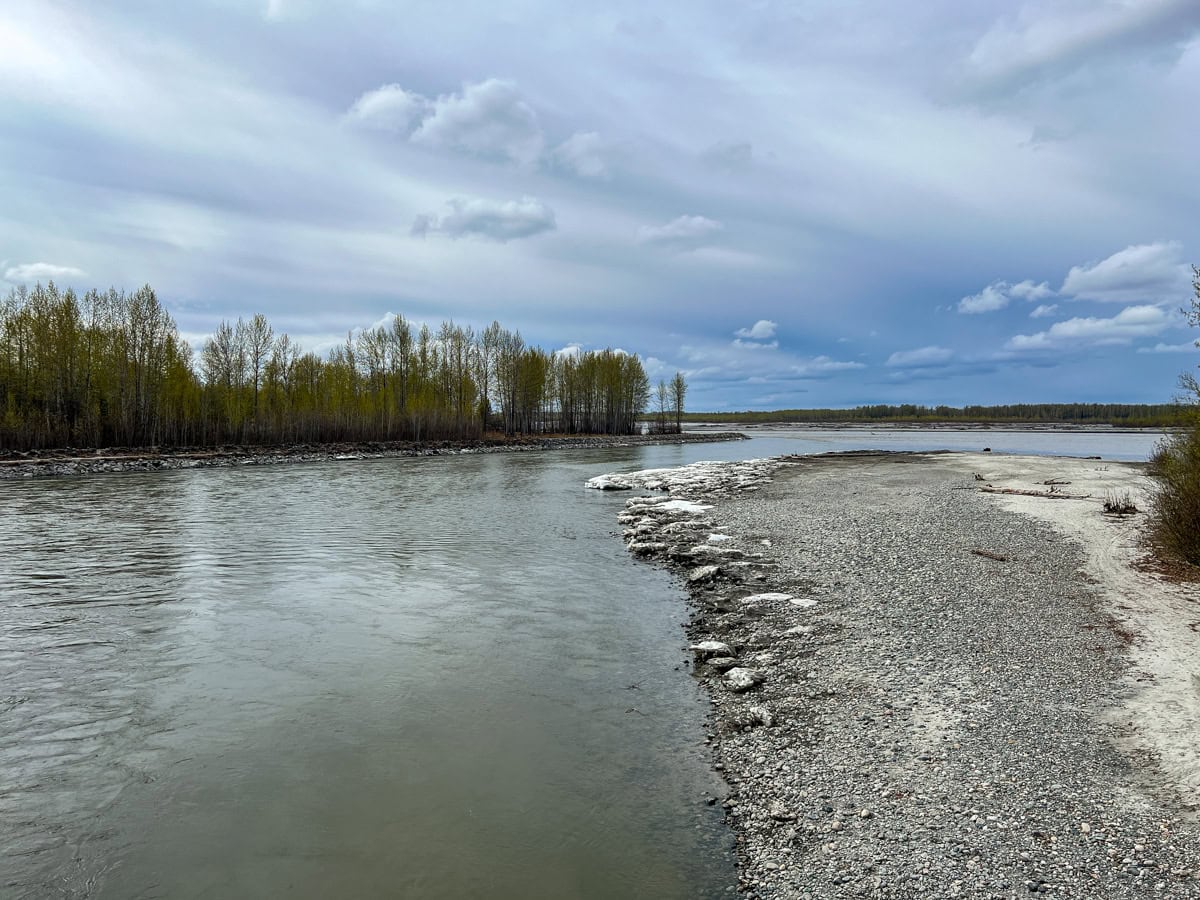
1050, 427
74, 461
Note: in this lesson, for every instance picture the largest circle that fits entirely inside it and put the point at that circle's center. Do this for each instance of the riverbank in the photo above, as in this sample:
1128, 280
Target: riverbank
925, 686
49, 463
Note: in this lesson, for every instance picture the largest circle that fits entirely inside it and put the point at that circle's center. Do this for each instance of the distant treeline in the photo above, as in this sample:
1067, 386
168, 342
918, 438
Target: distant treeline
109, 369
1129, 415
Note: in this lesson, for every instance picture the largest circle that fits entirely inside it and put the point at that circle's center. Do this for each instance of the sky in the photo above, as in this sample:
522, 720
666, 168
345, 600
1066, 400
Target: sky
796, 204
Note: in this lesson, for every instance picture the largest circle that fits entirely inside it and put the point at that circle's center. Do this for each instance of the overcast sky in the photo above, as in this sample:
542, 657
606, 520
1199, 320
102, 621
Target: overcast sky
796, 204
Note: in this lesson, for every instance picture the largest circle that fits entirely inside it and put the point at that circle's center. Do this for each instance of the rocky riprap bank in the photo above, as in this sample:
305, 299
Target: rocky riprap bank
44, 463
897, 715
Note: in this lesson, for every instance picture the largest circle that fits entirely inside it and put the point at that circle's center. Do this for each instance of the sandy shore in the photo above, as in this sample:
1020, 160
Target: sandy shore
49, 463
925, 687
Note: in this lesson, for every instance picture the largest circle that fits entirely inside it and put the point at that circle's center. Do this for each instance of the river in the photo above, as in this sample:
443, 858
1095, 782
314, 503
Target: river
406, 678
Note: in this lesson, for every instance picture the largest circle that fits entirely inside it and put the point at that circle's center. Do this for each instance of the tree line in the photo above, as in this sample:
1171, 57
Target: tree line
1130, 415
110, 369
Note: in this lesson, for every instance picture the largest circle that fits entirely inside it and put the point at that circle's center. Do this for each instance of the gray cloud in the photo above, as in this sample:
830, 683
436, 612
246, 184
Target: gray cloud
477, 217
583, 153
390, 108
1045, 41
489, 119
730, 154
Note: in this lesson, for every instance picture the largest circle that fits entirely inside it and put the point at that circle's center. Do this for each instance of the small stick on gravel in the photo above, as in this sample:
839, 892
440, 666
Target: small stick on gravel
990, 555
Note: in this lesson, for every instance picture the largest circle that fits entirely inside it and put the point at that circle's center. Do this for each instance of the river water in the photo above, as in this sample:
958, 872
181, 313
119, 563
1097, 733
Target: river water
404, 678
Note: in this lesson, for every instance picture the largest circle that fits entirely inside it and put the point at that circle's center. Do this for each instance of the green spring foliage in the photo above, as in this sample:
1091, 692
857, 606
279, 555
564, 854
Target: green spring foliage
110, 369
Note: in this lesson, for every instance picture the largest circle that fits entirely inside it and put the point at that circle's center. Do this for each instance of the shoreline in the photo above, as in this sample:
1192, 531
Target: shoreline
18, 465
923, 685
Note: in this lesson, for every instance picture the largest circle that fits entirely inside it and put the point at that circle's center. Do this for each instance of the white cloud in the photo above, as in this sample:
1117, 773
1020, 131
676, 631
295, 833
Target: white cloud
1028, 291
390, 108
489, 119
1139, 273
925, 356
990, 299
824, 365
478, 217
572, 349
759, 331
582, 153
682, 232
1169, 348
997, 295
40, 271
1044, 310
755, 345
1130, 323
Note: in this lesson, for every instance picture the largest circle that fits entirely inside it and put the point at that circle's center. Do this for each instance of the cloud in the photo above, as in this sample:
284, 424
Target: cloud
1138, 274
477, 217
1044, 43
729, 154
573, 350
683, 232
1046, 309
1029, 292
921, 358
820, 366
990, 299
997, 295
40, 271
759, 331
755, 345
1169, 348
390, 108
1130, 323
583, 153
490, 120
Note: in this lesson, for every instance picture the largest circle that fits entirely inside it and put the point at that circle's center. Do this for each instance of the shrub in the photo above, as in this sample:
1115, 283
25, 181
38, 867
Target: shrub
1176, 494
1120, 504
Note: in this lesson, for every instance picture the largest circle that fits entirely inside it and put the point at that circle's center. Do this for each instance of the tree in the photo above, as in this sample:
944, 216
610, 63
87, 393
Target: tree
662, 405
678, 392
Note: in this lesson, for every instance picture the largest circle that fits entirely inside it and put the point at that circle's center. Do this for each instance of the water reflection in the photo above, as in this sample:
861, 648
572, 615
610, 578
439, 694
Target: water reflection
399, 678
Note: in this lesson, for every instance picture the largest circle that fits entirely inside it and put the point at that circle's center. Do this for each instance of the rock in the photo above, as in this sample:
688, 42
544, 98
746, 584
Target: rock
761, 715
770, 597
647, 548
701, 574
780, 813
722, 663
740, 680
706, 649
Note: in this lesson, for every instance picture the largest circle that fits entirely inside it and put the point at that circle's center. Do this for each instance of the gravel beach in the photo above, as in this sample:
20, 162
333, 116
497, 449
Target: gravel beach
923, 686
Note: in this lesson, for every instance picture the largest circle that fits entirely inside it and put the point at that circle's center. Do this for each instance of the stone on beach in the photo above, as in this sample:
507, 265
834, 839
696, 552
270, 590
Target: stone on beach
740, 680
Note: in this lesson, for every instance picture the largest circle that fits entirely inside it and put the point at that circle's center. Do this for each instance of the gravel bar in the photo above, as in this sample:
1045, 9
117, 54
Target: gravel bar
912, 686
